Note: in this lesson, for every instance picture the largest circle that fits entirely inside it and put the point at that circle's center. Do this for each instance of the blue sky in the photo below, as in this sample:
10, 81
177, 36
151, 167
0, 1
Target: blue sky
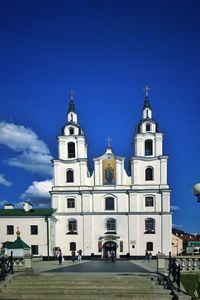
107, 51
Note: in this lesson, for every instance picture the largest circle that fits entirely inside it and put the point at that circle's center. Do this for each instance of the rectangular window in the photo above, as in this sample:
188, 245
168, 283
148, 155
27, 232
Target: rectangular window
148, 201
34, 229
10, 229
72, 226
34, 249
70, 203
109, 203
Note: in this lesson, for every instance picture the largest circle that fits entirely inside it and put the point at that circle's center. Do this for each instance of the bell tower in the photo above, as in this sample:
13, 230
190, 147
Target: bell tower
71, 167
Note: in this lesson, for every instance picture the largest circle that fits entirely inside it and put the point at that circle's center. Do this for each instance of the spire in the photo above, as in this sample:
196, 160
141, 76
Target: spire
71, 104
109, 149
146, 101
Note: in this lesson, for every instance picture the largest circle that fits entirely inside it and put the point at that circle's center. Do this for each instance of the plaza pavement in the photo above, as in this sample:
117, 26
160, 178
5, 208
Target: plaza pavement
96, 266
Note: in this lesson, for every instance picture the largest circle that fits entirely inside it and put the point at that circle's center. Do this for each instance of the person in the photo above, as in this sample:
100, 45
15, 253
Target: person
106, 255
60, 257
150, 255
113, 255
73, 256
79, 255
146, 255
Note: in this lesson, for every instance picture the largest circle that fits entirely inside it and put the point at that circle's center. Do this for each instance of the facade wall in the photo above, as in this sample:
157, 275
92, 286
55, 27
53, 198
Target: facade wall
24, 225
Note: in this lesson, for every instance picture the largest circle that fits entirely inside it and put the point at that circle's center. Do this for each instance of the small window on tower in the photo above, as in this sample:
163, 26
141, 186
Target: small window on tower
71, 130
70, 176
70, 203
148, 127
71, 150
148, 147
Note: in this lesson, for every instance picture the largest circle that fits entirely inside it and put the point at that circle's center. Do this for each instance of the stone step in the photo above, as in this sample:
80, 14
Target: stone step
88, 291
13, 296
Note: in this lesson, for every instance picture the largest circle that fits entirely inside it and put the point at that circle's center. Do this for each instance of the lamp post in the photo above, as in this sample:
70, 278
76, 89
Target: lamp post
196, 191
47, 221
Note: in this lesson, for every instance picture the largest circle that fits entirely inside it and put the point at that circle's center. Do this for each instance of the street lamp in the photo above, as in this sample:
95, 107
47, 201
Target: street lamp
196, 191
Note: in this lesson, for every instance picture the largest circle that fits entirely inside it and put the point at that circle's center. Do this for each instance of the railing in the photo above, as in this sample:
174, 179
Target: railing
175, 271
6, 266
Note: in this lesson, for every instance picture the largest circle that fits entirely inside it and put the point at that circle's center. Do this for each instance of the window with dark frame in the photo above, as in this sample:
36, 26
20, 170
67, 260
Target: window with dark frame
109, 203
71, 150
10, 229
149, 173
149, 246
148, 201
70, 203
72, 246
70, 176
34, 229
149, 225
148, 147
71, 130
111, 224
72, 226
148, 127
34, 249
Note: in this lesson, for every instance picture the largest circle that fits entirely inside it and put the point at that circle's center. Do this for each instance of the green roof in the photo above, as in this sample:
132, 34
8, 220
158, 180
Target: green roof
18, 244
17, 212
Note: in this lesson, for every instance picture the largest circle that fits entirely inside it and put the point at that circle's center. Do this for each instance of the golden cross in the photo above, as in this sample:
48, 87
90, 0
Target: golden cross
147, 89
109, 140
71, 93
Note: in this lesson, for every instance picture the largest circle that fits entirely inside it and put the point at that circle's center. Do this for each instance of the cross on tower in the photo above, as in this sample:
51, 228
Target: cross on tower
71, 93
109, 140
147, 89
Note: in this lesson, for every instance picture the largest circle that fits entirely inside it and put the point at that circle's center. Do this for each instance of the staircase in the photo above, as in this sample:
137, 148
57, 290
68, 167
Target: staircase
83, 287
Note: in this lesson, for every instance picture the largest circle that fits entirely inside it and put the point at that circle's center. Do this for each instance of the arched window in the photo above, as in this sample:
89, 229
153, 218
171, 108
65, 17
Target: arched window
149, 173
70, 176
149, 246
111, 224
148, 147
70, 203
109, 203
148, 201
71, 130
148, 127
149, 225
71, 150
72, 226
72, 246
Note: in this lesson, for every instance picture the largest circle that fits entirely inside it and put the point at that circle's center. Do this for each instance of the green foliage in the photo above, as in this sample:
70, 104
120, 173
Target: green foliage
191, 283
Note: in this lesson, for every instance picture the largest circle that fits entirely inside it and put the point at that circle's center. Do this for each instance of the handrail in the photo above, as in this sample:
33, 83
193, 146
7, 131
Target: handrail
6, 266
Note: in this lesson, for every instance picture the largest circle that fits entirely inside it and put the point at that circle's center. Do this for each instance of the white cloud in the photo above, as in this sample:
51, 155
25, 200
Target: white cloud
34, 155
174, 207
33, 162
3, 181
177, 226
19, 138
38, 189
38, 194
3, 202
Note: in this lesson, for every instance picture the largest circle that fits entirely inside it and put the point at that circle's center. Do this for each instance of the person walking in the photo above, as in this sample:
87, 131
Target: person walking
79, 255
73, 256
60, 257
112, 255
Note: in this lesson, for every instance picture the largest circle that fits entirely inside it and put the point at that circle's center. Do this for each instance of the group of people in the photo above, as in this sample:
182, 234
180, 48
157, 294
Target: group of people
110, 255
148, 256
60, 258
79, 255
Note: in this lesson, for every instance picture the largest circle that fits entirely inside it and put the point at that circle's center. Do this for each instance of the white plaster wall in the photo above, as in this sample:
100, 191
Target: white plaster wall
25, 232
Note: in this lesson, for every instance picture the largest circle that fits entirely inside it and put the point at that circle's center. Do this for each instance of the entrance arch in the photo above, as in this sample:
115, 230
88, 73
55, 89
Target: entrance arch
108, 247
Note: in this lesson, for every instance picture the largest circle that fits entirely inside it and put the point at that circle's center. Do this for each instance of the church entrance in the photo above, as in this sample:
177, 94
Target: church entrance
108, 247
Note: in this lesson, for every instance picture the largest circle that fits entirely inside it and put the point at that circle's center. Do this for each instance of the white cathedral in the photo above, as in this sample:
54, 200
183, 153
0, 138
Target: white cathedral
108, 209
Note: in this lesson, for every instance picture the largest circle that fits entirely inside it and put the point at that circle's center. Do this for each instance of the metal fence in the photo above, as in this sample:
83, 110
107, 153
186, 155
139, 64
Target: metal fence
6, 266
175, 271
